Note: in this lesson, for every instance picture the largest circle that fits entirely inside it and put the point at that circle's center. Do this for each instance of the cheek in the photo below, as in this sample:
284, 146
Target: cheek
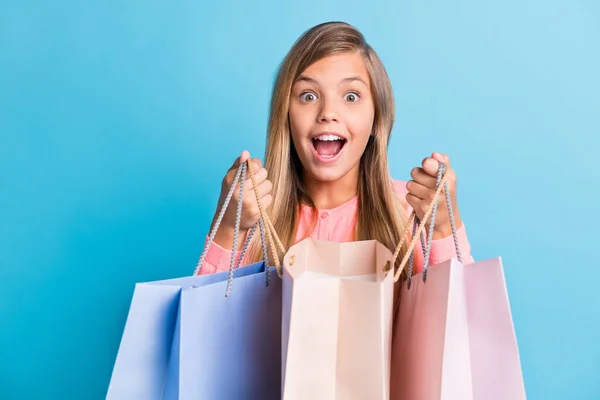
293, 121
360, 123
299, 122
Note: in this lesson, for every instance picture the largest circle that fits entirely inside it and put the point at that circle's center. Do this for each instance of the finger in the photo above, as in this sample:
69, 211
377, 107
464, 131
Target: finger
431, 166
262, 189
265, 201
419, 191
229, 176
259, 177
417, 204
443, 158
423, 178
256, 164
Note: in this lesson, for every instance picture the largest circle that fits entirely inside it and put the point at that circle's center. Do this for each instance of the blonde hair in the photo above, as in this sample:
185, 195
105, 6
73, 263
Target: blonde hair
381, 216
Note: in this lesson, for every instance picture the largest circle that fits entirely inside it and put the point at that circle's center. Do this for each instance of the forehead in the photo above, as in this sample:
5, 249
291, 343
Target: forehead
337, 67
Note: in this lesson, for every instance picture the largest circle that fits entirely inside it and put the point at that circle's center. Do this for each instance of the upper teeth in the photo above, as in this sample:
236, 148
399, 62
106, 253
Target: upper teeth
329, 137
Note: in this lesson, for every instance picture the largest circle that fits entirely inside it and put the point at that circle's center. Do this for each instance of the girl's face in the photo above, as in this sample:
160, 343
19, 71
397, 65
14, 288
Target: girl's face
331, 116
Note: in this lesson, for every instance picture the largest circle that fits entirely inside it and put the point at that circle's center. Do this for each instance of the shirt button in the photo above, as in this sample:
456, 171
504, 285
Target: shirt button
325, 215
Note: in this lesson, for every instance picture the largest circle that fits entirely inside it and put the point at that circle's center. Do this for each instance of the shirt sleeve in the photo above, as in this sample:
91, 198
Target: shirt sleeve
441, 249
217, 259
445, 249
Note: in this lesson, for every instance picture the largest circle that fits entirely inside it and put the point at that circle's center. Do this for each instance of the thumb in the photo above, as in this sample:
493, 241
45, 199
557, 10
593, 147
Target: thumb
441, 158
242, 159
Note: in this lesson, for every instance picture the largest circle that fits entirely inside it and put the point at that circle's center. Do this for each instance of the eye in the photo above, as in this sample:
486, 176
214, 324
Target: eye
308, 96
352, 97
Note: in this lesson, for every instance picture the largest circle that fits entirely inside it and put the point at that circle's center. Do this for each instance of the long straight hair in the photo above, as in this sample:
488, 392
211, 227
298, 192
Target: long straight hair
381, 215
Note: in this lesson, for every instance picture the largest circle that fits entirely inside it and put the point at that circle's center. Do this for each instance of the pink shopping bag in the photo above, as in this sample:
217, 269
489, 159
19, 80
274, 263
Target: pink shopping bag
453, 336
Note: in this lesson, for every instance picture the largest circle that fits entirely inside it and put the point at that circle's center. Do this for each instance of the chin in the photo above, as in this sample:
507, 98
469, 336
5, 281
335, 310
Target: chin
328, 174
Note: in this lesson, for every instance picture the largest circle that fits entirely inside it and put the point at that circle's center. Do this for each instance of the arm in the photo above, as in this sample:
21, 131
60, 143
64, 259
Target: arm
218, 256
442, 249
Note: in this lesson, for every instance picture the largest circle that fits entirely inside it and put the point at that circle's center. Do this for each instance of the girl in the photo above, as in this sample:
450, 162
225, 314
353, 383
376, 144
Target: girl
326, 171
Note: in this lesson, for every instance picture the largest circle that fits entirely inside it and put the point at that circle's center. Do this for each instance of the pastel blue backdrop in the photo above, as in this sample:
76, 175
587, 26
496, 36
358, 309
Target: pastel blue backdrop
118, 120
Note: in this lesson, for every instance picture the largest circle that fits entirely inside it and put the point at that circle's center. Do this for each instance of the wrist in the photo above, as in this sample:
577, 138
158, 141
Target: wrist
443, 231
224, 237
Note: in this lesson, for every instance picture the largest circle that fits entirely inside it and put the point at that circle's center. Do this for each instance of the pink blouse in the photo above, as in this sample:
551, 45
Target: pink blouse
337, 224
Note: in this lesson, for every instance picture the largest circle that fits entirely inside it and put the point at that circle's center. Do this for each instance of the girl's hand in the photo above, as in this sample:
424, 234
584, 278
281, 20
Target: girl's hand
250, 211
421, 190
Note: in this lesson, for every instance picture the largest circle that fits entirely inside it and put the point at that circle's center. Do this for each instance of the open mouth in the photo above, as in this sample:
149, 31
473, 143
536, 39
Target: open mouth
328, 146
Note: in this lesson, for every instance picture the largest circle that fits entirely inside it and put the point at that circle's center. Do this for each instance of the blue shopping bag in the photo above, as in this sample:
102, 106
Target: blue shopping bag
212, 336
184, 339
228, 348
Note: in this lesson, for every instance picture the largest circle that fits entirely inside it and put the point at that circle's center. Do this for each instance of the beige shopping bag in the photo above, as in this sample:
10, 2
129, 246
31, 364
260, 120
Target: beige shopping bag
337, 311
337, 319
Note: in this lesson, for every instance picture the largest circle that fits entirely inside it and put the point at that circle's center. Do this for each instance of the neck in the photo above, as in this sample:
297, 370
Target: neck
330, 194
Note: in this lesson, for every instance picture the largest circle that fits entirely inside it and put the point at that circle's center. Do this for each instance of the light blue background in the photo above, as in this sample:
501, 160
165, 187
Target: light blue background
118, 120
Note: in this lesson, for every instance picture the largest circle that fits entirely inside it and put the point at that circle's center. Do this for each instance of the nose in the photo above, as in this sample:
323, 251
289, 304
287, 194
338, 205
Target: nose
328, 113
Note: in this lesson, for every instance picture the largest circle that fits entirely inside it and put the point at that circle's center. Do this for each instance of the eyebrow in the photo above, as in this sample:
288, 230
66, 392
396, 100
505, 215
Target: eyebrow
345, 80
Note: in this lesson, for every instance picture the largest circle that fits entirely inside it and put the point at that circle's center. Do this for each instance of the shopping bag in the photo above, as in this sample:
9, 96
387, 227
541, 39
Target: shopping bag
454, 337
337, 320
184, 339
227, 348
212, 336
